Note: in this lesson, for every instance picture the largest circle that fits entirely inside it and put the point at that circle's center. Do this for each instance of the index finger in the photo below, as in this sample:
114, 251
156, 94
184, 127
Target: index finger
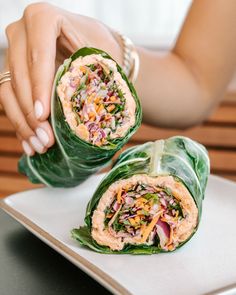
42, 32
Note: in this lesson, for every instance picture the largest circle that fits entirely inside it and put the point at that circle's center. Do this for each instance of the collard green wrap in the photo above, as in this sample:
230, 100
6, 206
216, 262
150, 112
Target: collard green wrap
184, 159
71, 160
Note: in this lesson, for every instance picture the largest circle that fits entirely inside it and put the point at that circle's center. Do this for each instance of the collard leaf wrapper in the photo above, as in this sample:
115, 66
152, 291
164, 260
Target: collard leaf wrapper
72, 160
184, 159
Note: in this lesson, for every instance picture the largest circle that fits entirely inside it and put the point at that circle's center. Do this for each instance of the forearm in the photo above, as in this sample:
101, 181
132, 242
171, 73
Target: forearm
171, 92
182, 87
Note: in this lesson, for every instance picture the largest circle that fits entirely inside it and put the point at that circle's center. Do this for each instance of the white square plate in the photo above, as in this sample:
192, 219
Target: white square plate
207, 262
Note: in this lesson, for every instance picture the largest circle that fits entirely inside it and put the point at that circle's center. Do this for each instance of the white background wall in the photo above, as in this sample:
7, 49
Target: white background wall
148, 22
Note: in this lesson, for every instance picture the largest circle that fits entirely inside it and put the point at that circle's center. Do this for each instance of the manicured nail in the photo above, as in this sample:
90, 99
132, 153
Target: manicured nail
42, 135
38, 109
37, 145
26, 147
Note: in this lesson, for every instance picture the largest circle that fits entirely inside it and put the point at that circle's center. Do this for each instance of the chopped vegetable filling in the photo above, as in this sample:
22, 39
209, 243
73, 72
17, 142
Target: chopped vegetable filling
98, 103
144, 211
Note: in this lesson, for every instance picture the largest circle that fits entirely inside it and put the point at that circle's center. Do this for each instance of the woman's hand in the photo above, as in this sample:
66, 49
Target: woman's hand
38, 43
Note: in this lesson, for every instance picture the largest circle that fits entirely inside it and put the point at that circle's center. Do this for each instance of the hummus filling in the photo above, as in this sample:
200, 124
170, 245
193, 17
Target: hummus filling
97, 102
147, 210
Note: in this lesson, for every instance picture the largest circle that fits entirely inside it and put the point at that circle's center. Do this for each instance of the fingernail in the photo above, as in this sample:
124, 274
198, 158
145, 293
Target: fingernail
37, 145
26, 147
42, 135
38, 109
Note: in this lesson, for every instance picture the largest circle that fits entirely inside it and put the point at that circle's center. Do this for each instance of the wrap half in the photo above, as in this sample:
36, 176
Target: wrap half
94, 111
150, 202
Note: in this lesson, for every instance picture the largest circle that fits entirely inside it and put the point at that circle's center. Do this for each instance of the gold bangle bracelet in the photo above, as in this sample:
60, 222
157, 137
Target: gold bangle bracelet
4, 77
130, 57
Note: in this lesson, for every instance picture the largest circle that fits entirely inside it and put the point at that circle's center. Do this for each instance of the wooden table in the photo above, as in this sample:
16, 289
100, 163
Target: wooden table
218, 134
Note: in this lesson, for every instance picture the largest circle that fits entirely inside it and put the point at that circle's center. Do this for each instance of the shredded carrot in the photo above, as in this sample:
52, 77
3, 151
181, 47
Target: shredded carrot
108, 116
119, 199
158, 189
132, 221
97, 99
146, 207
140, 212
91, 114
98, 143
89, 99
149, 228
109, 215
140, 202
164, 219
113, 98
171, 247
100, 108
111, 107
171, 237
137, 219
127, 187
83, 69
151, 202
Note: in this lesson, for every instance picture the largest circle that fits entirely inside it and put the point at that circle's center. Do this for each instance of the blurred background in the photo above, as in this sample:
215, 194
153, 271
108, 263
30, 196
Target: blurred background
150, 23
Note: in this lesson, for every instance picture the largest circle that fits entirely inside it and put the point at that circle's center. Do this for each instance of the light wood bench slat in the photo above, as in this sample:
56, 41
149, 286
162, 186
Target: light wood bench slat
223, 160
229, 98
5, 124
224, 114
207, 135
10, 144
15, 184
8, 164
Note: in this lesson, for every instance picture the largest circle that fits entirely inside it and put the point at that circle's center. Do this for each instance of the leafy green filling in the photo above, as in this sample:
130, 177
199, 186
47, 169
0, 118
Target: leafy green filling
176, 207
152, 196
117, 226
